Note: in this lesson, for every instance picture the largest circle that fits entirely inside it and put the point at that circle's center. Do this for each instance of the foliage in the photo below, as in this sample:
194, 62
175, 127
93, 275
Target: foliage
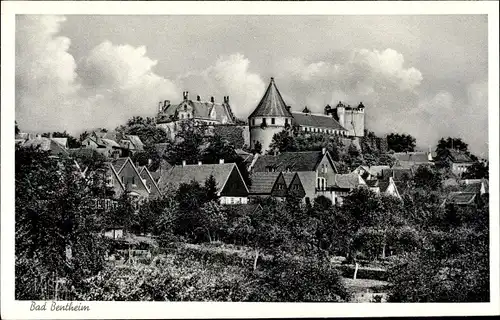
233, 134
145, 128
187, 145
57, 232
452, 143
283, 141
16, 127
257, 148
478, 170
427, 177
401, 142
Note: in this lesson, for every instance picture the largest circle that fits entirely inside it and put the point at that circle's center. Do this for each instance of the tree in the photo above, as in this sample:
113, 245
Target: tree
145, 128
428, 178
283, 141
211, 189
257, 148
478, 170
233, 134
187, 145
57, 232
401, 142
452, 143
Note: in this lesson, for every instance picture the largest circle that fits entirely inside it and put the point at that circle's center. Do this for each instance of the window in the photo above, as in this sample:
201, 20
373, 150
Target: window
253, 122
231, 200
133, 180
264, 121
273, 121
123, 179
286, 122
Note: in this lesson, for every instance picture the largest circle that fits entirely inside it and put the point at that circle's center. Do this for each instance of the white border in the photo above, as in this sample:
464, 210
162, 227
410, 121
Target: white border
20, 310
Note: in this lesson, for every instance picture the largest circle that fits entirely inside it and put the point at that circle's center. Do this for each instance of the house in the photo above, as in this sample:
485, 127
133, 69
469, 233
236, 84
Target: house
461, 199
154, 190
272, 115
316, 169
131, 144
114, 232
478, 186
384, 186
207, 113
397, 174
370, 173
130, 177
458, 161
47, 144
104, 143
276, 184
231, 187
409, 160
342, 185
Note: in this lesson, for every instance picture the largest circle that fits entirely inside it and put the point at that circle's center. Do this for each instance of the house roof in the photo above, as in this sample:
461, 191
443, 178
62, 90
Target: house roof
288, 176
110, 143
135, 140
246, 209
347, 181
185, 174
118, 164
46, 144
417, 157
289, 161
263, 182
61, 141
397, 173
271, 104
383, 184
202, 110
372, 183
459, 156
315, 120
308, 180
374, 170
461, 197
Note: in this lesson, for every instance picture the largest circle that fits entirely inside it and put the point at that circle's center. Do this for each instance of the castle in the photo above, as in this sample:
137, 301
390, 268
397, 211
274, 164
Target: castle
271, 116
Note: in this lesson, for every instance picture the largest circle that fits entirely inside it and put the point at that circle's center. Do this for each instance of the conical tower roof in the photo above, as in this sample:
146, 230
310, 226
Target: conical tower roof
272, 104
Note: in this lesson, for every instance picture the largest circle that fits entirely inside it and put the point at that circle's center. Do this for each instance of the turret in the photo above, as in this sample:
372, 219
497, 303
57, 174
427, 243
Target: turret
341, 113
271, 116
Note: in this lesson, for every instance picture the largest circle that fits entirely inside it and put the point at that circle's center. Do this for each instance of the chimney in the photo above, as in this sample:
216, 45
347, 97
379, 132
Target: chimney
198, 98
185, 95
212, 99
323, 151
166, 103
199, 163
226, 99
221, 161
288, 108
183, 163
159, 106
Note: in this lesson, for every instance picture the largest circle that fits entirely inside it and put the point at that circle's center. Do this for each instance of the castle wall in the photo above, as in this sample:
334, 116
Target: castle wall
265, 135
355, 122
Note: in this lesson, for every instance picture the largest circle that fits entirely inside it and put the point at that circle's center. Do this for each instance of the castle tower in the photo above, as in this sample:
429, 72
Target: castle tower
271, 116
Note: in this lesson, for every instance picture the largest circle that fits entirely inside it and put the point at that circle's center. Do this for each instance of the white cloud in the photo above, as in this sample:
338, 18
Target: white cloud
111, 84
230, 75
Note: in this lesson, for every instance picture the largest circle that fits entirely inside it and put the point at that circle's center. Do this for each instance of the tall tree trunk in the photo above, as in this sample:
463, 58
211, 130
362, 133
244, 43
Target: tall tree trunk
255, 260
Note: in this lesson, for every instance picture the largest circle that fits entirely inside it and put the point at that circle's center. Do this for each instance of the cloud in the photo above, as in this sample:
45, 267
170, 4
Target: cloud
108, 86
229, 75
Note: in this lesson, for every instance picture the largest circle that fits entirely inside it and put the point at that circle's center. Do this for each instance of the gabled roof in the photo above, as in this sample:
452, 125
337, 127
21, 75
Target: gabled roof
143, 172
397, 173
119, 163
136, 141
47, 144
288, 176
115, 176
289, 161
271, 104
461, 198
373, 170
61, 141
347, 181
263, 182
416, 157
110, 143
185, 174
459, 156
201, 110
317, 121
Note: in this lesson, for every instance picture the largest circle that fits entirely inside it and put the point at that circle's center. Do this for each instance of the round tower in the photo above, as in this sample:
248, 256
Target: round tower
270, 117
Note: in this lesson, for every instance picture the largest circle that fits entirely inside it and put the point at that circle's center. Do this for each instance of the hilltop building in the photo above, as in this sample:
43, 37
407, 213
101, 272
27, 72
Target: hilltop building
207, 113
272, 116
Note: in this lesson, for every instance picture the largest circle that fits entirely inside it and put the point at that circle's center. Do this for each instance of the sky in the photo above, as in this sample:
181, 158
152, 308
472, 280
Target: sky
424, 75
